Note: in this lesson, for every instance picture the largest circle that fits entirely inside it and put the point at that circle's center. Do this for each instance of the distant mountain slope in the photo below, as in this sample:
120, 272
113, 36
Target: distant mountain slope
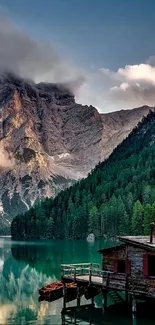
118, 197
47, 141
117, 126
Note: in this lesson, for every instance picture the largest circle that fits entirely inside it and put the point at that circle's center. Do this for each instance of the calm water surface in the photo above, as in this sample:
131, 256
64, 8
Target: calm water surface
25, 267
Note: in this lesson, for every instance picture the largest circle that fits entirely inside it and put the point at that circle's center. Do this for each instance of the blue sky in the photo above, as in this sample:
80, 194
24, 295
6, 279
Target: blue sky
94, 34
109, 33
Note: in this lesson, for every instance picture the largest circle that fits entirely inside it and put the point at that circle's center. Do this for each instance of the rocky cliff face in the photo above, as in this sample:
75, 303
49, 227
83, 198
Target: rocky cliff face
47, 140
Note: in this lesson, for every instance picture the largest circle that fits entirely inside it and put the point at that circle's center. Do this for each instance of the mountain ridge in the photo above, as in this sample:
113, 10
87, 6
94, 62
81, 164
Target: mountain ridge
117, 197
47, 141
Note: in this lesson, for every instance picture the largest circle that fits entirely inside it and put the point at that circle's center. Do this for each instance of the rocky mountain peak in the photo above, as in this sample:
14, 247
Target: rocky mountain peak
47, 140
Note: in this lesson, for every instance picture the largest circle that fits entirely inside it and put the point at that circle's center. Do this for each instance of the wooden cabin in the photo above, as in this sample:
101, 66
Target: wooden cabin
131, 266
128, 267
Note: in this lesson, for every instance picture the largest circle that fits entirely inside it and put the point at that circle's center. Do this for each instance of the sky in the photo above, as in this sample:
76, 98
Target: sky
104, 49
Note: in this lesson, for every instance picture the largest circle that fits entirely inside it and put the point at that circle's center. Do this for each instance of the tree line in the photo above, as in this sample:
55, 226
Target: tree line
117, 197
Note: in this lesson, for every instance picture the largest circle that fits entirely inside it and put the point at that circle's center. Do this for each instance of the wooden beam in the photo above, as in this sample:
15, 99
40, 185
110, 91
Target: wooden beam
134, 305
104, 299
78, 297
64, 295
90, 274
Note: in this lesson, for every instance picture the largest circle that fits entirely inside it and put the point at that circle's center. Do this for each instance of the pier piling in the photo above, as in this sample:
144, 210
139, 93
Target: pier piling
104, 299
134, 305
64, 296
78, 297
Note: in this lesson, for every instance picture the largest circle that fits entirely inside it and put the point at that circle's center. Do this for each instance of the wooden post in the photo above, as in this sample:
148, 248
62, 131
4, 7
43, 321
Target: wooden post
78, 297
102, 277
64, 296
74, 274
90, 320
62, 272
92, 301
126, 297
134, 319
104, 299
126, 290
134, 305
90, 273
63, 318
98, 272
151, 232
107, 282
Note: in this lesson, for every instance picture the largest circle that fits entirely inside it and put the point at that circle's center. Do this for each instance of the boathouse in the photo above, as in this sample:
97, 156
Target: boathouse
128, 267
131, 266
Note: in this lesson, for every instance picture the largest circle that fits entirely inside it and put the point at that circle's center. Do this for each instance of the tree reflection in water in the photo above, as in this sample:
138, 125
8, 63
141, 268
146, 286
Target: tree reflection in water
25, 267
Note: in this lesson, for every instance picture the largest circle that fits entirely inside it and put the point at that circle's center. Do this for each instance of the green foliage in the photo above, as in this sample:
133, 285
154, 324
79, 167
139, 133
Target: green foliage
149, 217
117, 197
137, 219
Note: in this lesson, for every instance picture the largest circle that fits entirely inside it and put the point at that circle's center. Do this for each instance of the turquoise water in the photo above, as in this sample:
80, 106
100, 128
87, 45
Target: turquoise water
25, 267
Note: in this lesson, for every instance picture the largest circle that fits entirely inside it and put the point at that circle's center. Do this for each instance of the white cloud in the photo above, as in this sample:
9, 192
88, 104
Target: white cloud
124, 86
140, 72
128, 87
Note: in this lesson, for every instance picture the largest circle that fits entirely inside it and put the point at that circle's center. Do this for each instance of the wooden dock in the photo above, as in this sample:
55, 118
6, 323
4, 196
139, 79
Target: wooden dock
128, 267
92, 274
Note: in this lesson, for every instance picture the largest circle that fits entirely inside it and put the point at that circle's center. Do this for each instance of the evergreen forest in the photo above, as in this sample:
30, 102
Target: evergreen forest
117, 197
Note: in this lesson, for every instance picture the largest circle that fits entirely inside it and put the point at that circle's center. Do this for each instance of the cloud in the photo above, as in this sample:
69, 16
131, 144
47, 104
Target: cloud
133, 95
138, 87
128, 87
107, 90
22, 55
139, 72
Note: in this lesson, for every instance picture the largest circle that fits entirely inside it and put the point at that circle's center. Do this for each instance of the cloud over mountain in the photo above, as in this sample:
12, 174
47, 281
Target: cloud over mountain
25, 56
129, 86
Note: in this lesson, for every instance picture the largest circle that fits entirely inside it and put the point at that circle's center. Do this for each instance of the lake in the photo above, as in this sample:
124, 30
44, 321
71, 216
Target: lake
25, 267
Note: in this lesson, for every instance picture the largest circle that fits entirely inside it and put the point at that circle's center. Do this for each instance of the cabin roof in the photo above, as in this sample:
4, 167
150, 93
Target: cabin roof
139, 241
109, 249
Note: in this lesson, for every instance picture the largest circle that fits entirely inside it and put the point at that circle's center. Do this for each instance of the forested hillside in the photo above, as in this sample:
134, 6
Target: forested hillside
47, 139
118, 196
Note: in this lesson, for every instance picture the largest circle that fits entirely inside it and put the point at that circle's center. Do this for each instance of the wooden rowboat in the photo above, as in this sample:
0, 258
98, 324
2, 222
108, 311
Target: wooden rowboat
57, 288
55, 295
48, 289
71, 295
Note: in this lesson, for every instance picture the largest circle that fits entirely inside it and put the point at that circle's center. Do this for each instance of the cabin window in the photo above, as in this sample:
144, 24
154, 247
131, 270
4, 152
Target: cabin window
151, 265
121, 266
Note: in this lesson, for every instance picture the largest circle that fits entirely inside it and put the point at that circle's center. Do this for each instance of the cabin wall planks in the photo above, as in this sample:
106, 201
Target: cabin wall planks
138, 281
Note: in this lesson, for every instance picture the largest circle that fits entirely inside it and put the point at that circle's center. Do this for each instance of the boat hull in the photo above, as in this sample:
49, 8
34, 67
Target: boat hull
55, 291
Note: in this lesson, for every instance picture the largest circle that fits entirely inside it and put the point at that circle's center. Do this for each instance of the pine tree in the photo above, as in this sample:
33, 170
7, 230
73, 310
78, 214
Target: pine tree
137, 219
147, 218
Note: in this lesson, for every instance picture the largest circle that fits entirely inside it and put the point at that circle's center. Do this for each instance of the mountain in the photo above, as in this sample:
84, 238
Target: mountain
118, 197
47, 141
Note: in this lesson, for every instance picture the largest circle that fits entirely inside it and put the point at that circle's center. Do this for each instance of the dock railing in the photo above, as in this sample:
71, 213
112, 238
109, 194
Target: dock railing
92, 271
